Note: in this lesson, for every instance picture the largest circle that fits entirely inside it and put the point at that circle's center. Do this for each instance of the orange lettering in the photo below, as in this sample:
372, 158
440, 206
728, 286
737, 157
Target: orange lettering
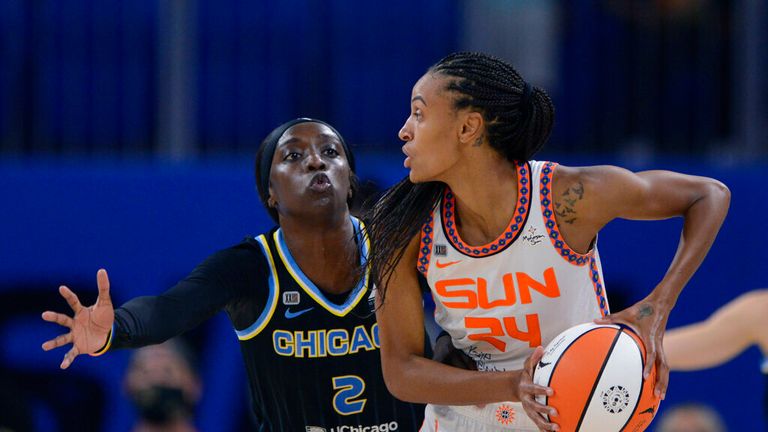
471, 297
549, 288
533, 335
492, 324
476, 293
495, 330
509, 293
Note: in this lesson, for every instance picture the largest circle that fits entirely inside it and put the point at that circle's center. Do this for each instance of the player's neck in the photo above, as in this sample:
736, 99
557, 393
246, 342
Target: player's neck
326, 253
486, 198
316, 232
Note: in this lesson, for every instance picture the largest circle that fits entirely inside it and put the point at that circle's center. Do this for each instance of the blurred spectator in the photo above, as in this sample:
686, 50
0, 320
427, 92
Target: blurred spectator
162, 383
15, 413
691, 418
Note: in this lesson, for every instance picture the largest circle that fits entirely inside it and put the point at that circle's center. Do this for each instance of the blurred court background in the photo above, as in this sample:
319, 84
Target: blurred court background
128, 129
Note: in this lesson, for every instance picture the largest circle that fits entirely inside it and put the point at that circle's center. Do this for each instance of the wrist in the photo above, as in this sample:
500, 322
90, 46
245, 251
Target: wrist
107, 344
514, 379
664, 296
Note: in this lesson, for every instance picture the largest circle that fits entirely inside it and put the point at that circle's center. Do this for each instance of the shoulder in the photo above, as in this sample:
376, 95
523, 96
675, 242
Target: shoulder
245, 257
410, 255
569, 185
595, 176
587, 197
247, 249
598, 184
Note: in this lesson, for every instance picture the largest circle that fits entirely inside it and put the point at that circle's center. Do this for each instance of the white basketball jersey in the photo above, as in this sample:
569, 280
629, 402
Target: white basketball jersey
501, 300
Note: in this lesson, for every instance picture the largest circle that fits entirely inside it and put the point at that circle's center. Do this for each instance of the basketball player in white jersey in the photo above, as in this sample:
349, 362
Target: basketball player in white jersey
508, 246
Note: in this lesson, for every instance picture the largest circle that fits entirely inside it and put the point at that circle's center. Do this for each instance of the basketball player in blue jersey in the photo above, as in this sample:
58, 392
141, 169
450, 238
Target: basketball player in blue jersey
294, 295
508, 246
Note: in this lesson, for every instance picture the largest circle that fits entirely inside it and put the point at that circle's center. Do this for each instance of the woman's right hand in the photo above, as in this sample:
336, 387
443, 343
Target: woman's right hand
89, 328
527, 392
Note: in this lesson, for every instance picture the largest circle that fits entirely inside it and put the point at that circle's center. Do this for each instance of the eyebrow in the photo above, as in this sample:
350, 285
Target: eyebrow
330, 137
415, 98
289, 141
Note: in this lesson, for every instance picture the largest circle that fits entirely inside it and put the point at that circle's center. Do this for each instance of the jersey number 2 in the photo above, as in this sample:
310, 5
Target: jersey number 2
347, 400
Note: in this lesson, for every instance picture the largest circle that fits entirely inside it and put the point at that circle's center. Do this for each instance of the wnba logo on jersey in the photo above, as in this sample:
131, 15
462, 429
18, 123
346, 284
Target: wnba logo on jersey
291, 298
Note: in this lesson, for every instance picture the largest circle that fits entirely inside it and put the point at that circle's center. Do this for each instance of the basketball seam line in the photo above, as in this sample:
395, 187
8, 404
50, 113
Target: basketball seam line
642, 380
597, 379
560, 357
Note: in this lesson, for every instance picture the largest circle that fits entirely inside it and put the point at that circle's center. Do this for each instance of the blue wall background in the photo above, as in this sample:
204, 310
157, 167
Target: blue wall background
87, 181
150, 223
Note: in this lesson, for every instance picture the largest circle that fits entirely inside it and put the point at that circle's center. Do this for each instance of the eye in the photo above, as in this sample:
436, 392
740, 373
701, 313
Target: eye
417, 114
331, 152
292, 156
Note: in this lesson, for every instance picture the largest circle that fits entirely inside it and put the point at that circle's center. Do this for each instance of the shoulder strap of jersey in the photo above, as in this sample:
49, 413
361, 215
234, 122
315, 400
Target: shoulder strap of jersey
261, 322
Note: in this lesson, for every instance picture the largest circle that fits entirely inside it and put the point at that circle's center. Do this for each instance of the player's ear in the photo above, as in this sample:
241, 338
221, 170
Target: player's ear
271, 201
472, 126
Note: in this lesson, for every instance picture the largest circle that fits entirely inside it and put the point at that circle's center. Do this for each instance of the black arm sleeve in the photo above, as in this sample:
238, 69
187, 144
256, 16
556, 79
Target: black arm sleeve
223, 281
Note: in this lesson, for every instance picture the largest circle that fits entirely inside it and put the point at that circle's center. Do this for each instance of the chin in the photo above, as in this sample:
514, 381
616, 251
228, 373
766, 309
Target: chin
419, 177
414, 178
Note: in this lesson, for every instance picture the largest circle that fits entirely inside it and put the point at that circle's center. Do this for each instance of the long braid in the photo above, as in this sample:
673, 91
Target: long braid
390, 228
516, 126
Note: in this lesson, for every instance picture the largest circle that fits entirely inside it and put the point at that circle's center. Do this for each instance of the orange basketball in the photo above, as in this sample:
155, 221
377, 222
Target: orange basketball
596, 372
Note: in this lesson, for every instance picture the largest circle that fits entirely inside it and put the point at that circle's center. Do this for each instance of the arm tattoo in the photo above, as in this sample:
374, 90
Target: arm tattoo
645, 311
566, 210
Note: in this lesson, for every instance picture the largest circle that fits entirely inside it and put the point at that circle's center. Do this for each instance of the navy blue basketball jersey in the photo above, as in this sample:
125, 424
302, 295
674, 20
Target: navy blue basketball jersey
313, 358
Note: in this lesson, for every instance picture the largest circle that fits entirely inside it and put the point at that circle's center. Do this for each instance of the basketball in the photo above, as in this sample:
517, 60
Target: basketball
596, 372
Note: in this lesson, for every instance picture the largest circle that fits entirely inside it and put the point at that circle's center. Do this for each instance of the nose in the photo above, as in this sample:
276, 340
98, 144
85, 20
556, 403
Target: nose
315, 162
404, 133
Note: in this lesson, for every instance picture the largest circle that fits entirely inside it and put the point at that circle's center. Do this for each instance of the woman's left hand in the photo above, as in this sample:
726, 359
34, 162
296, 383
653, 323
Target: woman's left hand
444, 352
648, 318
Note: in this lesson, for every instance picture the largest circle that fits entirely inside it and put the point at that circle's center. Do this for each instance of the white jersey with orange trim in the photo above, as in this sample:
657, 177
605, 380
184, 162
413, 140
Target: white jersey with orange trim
502, 300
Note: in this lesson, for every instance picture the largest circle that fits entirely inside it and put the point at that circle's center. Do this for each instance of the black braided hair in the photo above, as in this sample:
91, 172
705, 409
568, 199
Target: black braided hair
517, 128
518, 121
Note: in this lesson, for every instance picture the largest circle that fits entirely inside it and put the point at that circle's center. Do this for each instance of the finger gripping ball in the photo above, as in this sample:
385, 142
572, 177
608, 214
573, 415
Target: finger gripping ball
596, 372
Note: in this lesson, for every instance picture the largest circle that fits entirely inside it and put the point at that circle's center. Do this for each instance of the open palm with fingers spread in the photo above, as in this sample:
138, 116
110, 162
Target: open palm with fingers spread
89, 328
